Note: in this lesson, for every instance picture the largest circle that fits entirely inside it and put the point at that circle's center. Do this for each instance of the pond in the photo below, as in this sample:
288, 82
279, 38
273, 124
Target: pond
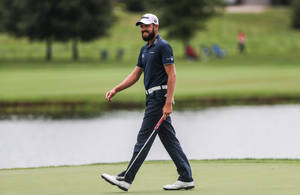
214, 133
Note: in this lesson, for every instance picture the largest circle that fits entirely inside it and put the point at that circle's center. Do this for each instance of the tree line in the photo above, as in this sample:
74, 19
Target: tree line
56, 20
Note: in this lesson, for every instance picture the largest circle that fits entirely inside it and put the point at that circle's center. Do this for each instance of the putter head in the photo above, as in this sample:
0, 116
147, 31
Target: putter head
120, 178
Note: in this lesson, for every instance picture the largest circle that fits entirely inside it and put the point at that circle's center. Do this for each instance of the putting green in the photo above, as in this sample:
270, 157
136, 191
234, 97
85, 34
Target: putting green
230, 177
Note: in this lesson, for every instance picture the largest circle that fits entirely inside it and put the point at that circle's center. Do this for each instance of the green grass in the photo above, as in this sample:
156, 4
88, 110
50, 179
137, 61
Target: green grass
90, 83
234, 177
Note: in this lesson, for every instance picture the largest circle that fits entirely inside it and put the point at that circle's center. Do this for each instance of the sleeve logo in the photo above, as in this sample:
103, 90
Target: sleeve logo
170, 59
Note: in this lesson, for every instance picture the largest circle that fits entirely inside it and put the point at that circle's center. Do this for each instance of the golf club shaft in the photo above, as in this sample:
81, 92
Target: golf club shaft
155, 128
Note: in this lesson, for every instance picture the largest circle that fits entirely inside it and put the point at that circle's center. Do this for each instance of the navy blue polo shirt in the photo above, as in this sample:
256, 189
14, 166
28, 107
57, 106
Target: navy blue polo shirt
153, 59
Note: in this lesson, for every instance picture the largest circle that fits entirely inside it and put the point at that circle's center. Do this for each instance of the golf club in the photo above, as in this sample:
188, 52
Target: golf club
121, 178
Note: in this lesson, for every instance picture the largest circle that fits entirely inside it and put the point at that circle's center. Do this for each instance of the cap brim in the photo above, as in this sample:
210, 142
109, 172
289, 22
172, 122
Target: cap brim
138, 23
143, 21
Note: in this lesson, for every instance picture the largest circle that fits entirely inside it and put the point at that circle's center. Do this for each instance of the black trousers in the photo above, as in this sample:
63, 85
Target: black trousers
167, 135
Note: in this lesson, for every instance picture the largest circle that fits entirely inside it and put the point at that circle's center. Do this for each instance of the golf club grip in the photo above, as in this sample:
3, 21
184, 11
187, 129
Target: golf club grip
159, 123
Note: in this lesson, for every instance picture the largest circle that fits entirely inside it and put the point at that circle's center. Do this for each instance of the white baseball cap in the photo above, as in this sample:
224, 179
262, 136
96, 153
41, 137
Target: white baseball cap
147, 19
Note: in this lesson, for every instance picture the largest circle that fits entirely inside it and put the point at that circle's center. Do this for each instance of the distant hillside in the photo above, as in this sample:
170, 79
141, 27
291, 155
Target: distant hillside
268, 34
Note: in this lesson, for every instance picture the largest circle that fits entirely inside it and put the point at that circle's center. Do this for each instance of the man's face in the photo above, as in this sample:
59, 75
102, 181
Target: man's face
148, 31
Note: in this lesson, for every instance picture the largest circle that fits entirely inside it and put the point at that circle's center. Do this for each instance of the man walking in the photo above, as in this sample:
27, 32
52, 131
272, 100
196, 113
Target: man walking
157, 62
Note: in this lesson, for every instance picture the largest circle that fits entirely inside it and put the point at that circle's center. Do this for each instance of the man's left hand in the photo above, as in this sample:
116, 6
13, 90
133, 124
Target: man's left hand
167, 109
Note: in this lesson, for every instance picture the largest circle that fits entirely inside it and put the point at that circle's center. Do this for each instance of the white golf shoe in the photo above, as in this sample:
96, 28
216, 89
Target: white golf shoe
179, 185
123, 185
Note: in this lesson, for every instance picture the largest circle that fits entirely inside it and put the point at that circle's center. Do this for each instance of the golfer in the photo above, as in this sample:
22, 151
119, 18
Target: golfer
156, 61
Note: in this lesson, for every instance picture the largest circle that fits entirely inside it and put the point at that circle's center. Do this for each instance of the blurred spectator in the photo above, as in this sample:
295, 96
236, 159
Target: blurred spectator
191, 53
205, 52
120, 54
104, 54
241, 42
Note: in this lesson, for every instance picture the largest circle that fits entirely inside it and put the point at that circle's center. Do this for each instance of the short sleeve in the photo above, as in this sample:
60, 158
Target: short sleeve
167, 54
139, 62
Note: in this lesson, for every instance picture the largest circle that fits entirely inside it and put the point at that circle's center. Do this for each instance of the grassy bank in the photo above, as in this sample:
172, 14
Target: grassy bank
80, 90
248, 177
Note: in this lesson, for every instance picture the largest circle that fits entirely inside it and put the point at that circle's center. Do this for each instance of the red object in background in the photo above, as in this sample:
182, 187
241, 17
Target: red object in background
190, 52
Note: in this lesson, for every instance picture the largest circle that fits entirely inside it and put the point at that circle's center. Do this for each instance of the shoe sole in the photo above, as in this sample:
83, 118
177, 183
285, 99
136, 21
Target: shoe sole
183, 188
114, 183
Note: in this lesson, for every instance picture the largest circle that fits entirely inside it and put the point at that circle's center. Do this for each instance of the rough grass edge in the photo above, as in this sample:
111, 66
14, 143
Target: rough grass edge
221, 160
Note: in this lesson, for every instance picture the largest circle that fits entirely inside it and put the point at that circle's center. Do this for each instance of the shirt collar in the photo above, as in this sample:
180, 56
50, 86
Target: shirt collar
155, 41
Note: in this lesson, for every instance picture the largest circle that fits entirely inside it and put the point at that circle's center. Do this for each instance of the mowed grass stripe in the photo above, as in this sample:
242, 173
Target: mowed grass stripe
92, 83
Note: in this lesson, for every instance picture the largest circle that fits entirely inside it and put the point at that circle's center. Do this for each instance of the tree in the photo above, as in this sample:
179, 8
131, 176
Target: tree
1, 16
281, 2
58, 20
134, 5
183, 18
296, 14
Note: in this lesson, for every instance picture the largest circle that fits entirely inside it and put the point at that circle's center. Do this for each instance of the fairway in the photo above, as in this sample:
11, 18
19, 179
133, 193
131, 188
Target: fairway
216, 177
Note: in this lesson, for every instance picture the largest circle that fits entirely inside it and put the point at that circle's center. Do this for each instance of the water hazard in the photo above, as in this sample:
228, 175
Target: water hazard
225, 132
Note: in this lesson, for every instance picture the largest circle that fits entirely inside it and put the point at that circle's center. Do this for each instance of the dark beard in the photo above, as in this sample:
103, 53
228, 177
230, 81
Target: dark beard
150, 37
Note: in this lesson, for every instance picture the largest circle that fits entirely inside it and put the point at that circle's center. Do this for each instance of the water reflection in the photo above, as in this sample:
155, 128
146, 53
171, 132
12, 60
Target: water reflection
227, 132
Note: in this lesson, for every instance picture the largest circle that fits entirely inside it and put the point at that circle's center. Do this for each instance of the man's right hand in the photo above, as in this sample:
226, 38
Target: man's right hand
110, 94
